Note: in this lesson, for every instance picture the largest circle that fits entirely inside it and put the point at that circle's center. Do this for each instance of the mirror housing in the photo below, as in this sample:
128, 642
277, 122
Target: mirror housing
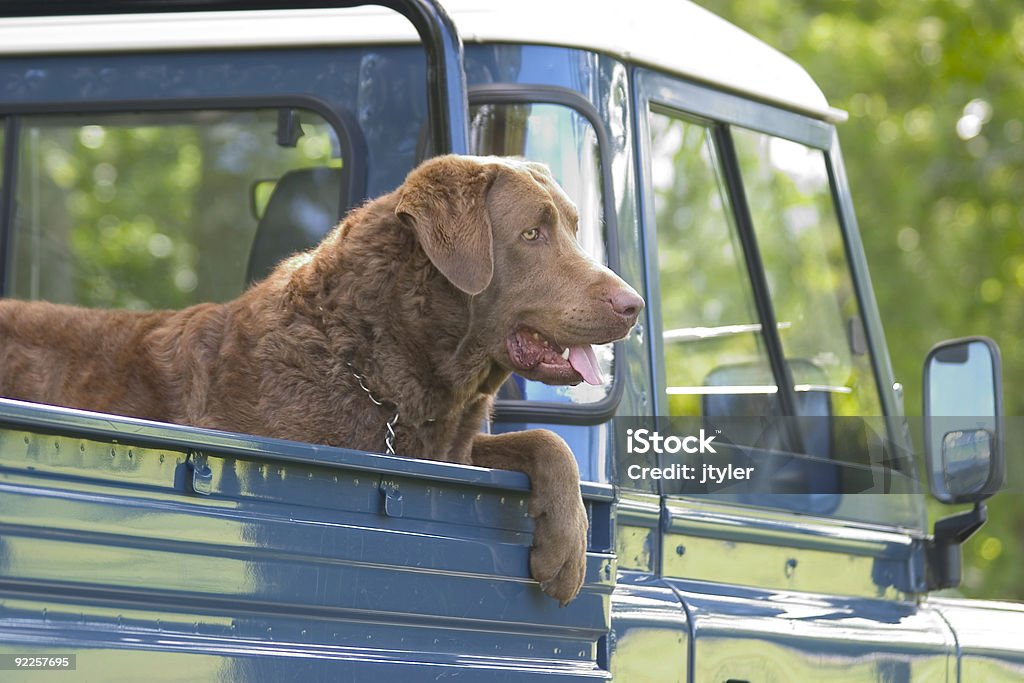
963, 420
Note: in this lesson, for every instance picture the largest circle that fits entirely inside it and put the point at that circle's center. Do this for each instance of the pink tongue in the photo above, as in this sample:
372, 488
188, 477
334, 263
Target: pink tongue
583, 361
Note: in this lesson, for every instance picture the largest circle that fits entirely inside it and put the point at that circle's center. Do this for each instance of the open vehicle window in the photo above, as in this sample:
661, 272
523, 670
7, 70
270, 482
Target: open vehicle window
565, 140
150, 210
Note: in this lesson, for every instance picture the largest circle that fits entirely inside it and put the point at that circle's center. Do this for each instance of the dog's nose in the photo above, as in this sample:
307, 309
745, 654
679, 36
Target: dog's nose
627, 303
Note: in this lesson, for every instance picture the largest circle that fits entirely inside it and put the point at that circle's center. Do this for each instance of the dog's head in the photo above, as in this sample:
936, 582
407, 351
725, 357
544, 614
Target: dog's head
503, 231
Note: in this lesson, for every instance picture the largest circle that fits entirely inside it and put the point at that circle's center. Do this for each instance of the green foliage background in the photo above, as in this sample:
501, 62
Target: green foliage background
148, 211
934, 151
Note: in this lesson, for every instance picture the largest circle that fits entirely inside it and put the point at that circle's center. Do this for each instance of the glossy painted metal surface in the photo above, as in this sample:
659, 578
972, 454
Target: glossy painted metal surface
777, 550
989, 638
282, 564
637, 532
650, 636
758, 635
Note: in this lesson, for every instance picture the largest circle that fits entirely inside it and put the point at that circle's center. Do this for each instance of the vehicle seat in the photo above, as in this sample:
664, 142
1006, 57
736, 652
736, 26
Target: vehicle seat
753, 421
305, 204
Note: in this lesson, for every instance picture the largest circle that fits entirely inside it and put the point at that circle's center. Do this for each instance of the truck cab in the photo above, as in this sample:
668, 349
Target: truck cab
757, 508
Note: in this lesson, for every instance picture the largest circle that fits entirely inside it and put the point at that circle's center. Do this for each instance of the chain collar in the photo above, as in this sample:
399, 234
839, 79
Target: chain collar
389, 426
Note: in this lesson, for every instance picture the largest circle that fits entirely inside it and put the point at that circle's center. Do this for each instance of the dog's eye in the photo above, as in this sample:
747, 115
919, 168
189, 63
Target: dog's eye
531, 235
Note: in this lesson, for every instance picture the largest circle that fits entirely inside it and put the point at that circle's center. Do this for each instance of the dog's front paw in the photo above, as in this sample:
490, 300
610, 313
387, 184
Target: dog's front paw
558, 559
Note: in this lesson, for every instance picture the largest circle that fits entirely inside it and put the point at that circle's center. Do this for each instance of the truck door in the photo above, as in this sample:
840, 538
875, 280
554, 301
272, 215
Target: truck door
802, 561
648, 640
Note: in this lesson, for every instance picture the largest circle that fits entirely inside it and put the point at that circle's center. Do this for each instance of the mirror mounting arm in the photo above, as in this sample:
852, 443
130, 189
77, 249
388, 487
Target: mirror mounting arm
943, 553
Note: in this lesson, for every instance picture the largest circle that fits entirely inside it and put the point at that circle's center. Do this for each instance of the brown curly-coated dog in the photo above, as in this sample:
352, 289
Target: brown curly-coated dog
433, 294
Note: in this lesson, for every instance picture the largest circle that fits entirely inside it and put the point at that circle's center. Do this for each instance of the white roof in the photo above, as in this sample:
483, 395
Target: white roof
673, 35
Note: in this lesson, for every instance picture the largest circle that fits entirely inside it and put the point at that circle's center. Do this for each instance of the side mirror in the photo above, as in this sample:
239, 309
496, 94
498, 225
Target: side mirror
962, 420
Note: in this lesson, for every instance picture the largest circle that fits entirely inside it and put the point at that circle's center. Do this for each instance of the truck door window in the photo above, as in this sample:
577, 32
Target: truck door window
801, 246
161, 209
714, 348
715, 358
718, 355
565, 140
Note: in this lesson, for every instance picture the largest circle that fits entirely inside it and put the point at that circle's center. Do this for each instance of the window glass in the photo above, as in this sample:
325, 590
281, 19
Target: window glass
718, 374
714, 352
565, 140
154, 210
715, 360
804, 257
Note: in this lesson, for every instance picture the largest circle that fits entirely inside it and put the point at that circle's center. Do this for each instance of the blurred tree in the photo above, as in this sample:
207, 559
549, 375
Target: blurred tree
935, 157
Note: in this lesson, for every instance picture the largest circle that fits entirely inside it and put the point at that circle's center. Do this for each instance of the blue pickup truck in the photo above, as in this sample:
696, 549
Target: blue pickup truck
159, 153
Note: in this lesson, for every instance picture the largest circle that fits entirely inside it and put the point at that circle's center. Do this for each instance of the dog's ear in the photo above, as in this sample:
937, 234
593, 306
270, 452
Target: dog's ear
444, 200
